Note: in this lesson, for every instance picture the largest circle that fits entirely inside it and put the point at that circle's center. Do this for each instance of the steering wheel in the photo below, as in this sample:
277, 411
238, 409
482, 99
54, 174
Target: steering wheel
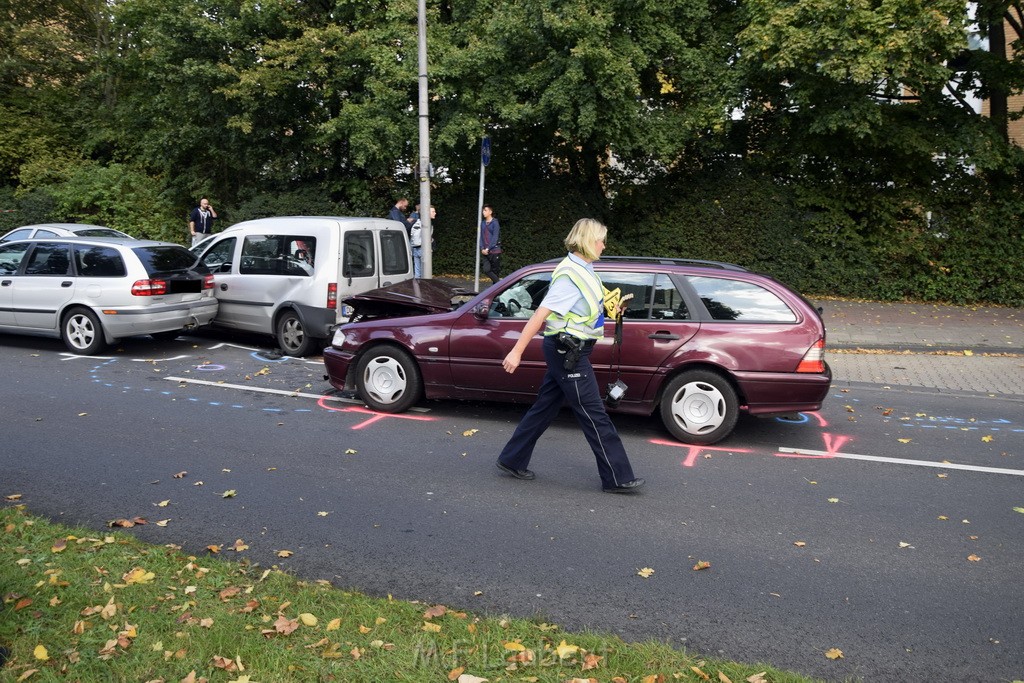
514, 307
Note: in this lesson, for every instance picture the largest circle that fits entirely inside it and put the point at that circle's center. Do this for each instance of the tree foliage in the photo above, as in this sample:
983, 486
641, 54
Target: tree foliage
838, 145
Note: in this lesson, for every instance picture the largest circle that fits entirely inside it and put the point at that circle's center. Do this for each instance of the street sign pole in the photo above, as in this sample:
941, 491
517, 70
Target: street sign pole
485, 159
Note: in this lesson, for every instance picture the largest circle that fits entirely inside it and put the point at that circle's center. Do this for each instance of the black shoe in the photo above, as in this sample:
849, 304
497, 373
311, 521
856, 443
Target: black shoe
628, 487
518, 474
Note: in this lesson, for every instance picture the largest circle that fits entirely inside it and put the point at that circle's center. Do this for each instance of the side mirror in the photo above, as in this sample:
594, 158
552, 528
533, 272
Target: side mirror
482, 310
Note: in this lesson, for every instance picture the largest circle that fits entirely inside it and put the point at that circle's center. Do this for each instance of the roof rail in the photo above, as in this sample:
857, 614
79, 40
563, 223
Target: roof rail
676, 261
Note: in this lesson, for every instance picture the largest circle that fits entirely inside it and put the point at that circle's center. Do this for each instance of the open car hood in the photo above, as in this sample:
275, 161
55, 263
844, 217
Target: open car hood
409, 297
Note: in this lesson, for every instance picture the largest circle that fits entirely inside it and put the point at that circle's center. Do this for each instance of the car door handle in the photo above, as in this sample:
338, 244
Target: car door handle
67, 283
223, 286
662, 334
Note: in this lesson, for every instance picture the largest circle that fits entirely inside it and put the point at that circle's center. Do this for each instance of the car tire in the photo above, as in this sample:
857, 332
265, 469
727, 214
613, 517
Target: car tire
81, 332
165, 336
292, 336
388, 379
700, 407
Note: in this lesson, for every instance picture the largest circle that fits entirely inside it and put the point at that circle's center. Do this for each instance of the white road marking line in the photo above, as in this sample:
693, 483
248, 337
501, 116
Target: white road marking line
901, 461
282, 392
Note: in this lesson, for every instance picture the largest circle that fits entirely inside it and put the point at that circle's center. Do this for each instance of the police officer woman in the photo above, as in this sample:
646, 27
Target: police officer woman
572, 315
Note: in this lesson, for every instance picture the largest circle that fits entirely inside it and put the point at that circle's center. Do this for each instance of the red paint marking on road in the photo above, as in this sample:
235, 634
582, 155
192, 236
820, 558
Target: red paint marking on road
833, 444
821, 421
694, 451
375, 416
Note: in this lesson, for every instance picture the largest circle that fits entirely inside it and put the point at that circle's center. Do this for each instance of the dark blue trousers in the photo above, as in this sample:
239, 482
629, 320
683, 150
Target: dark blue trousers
579, 390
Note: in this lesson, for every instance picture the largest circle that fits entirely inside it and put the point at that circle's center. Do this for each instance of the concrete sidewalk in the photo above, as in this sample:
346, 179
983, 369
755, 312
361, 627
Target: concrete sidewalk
949, 349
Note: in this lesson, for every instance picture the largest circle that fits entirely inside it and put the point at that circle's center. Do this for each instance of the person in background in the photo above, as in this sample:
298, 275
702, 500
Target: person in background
416, 239
490, 244
397, 213
200, 221
572, 317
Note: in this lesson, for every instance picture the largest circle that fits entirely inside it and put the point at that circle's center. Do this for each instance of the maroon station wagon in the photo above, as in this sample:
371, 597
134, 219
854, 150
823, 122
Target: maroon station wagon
699, 342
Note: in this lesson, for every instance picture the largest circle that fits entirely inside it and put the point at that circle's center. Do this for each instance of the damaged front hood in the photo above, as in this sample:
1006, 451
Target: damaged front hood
409, 297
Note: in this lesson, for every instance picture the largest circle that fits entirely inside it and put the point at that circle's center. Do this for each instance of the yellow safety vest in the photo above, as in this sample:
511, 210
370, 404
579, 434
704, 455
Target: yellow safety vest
590, 286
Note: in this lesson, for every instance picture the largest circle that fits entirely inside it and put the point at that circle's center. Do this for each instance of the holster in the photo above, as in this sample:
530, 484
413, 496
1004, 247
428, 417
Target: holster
572, 347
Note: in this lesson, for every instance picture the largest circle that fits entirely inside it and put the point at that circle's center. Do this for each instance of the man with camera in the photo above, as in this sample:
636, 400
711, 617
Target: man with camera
572, 316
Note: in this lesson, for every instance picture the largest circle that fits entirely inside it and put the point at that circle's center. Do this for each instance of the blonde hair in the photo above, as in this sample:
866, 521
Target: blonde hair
584, 237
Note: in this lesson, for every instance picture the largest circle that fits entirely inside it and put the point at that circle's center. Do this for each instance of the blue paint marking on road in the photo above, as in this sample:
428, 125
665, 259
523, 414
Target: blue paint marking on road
212, 367
802, 419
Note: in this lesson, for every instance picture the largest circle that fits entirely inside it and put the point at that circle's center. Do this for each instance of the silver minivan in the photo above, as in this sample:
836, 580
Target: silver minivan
91, 292
285, 276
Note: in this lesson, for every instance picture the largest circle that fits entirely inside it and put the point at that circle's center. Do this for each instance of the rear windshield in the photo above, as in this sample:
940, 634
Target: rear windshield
167, 259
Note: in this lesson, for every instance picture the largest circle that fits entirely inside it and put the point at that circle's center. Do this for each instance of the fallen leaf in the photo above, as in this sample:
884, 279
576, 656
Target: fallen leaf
723, 678
334, 624
1020, 510
904, 544
904, 440
350, 451
40, 653
138, 575
230, 493
974, 558
322, 514
180, 475
308, 619
239, 546
163, 503
435, 611
799, 544
467, 678
515, 646
700, 673
284, 553
834, 653
702, 564
564, 650
987, 438
470, 432
433, 628
591, 661
757, 678
646, 572
833, 500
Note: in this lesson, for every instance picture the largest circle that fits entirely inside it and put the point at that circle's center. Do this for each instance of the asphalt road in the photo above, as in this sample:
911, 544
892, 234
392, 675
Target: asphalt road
910, 564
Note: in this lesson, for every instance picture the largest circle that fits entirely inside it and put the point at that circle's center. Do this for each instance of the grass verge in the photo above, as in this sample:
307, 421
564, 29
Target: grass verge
83, 606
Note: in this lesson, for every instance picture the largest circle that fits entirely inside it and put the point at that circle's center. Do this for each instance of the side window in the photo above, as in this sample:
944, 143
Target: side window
358, 261
668, 303
728, 299
394, 254
19, 234
11, 256
274, 255
218, 257
43, 232
640, 285
49, 259
522, 298
99, 262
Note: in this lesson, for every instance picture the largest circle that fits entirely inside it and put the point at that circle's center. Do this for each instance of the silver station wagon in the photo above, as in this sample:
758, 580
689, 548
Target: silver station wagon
90, 292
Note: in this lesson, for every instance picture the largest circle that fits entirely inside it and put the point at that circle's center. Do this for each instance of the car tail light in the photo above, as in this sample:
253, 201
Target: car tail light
208, 282
149, 287
814, 359
332, 296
